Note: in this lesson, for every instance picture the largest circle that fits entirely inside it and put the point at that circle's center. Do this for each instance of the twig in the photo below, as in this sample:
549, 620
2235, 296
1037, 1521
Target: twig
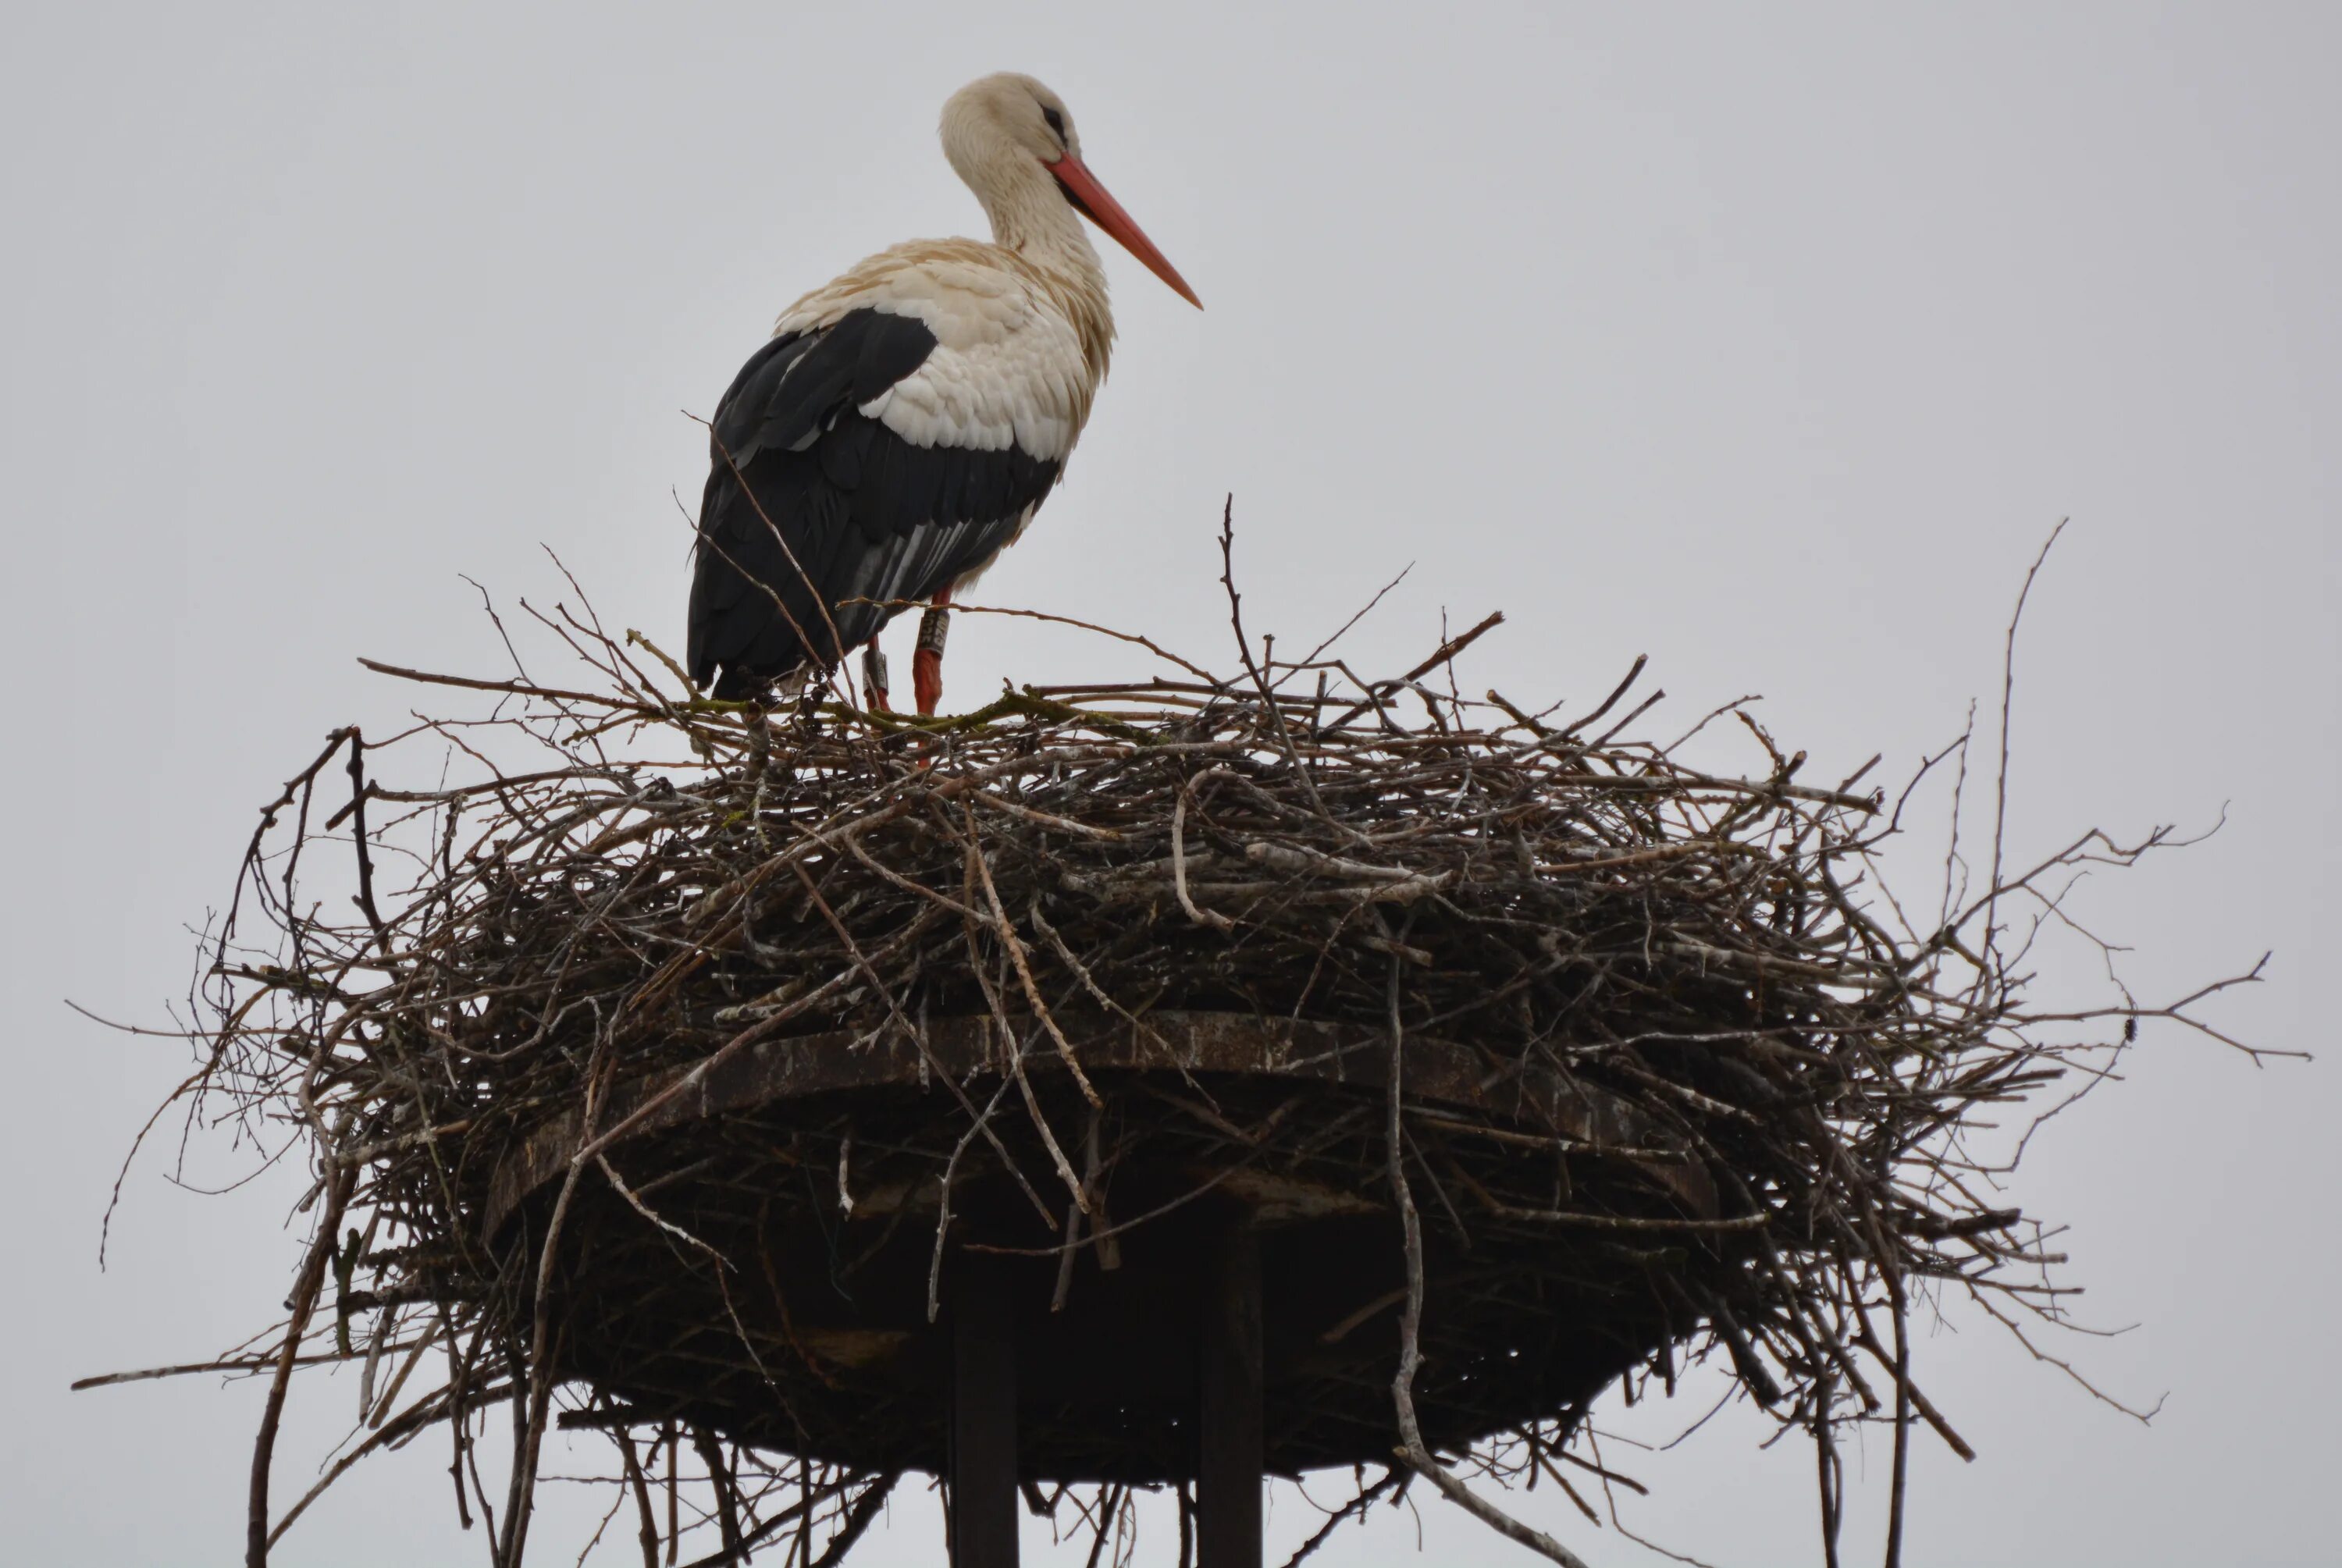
1411, 1451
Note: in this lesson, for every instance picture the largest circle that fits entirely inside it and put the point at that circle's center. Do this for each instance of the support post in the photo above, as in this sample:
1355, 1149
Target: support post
1228, 1427
983, 1417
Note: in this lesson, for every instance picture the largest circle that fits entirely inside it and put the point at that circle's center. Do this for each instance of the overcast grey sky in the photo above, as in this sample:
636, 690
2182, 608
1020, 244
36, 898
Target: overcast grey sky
1769, 341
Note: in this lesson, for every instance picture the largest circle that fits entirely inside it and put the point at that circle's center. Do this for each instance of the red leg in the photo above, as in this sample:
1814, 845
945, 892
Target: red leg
927, 663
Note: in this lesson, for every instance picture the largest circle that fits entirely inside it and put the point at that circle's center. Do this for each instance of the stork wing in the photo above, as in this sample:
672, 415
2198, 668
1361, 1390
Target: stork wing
812, 505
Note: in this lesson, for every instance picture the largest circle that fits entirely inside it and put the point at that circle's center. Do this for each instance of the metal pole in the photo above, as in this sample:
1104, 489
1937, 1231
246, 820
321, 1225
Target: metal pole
983, 1417
1232, 1456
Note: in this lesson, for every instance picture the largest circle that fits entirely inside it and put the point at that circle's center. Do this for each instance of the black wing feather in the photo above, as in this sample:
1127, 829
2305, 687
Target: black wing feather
810, 506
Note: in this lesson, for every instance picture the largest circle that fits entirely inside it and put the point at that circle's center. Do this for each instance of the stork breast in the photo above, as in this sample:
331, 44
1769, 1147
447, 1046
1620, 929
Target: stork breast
1007, 369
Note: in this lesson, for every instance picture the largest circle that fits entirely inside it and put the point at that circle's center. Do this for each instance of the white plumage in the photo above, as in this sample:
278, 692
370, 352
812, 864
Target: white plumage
1007, 365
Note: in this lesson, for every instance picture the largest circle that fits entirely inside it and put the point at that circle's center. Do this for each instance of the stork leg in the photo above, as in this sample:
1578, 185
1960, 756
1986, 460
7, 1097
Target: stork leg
927, 663
874, 675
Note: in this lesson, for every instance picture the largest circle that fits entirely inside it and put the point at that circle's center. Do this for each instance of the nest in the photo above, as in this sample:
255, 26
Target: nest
660, 1081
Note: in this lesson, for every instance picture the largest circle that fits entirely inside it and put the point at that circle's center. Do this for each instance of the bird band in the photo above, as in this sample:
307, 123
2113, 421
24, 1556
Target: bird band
933, 625
874, 668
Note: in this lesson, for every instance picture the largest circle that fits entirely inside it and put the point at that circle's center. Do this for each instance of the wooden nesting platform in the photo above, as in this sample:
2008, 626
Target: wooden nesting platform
1220, 1135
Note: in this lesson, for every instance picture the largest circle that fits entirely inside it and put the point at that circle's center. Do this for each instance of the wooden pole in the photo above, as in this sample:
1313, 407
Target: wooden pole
1228, 1428
983, 1417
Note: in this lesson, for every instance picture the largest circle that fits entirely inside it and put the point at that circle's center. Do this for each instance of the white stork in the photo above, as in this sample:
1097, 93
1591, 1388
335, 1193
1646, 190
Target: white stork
906, 420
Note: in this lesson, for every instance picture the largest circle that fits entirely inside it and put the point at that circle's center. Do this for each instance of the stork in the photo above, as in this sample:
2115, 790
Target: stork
905, 421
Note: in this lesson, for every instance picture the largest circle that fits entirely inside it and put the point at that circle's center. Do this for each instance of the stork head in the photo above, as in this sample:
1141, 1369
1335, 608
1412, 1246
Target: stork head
1013, 141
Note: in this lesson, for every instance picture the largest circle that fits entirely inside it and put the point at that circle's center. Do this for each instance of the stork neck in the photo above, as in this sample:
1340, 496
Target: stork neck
1032, 217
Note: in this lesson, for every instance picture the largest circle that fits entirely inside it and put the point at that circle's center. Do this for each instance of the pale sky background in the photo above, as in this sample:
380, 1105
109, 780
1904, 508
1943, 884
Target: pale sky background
1768, 341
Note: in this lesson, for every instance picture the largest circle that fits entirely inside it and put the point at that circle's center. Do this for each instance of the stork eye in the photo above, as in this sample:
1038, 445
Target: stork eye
1057, 123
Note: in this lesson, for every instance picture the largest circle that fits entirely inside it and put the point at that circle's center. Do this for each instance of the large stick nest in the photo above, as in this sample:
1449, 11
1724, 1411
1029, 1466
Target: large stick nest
661, 1080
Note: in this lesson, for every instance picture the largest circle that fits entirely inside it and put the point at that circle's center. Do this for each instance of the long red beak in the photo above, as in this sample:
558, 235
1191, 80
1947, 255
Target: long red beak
1100, 207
